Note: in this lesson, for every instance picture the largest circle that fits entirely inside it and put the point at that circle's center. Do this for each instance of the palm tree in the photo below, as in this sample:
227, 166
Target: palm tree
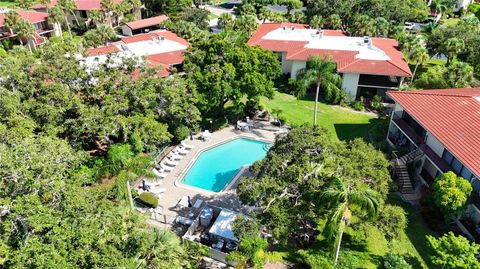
163, 250
440, 6
345, 198
96, 16
107, 7
382, 26
264, 13
334, 22
225, 20
68, 7
56, 15
364, 25
11, 19
454, 45
419, 56
25, 30
45, 3
320, 72
316, 22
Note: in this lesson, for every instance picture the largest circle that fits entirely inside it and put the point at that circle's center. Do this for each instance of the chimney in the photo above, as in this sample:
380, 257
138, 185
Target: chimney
367, 41
320, 33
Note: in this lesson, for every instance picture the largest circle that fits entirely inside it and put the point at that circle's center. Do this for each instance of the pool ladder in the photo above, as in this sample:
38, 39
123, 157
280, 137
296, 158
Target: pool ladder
266, 147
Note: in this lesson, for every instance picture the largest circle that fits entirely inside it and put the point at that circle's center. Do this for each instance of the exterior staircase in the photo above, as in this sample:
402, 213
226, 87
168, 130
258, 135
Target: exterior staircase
400, 171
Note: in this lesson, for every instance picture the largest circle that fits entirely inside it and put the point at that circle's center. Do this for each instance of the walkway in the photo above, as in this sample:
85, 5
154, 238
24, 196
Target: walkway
174, 192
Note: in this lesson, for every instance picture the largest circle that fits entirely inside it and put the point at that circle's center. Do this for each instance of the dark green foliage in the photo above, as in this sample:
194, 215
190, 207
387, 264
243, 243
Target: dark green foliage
296, 171
99, 36
197, 16
225, 69
377, 103
391, 221
181, 132
148, 199
453, 251
395, 261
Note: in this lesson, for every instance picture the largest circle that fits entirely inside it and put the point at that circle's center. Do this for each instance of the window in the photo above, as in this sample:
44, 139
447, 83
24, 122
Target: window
457, 166
465, 173
476, 184
447, 156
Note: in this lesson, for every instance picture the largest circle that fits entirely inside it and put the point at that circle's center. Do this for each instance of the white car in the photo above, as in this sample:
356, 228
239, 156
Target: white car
409, 25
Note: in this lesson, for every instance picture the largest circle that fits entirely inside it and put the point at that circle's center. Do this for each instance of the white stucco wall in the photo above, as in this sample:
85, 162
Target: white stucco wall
435, 145
126, 30
350, 84
297, 66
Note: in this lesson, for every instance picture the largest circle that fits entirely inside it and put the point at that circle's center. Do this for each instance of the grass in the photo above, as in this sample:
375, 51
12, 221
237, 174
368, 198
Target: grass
411, 243
7, 4
345, 123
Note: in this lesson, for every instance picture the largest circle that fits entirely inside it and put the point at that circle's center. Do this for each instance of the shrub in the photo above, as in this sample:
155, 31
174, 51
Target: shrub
148, 199
377, 103
395, 261
251, 106
180, 133
392, 220
358, 105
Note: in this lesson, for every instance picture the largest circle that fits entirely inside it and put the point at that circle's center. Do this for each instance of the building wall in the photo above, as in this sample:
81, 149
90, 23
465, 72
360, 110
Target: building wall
126, 30
297, 66
350, 84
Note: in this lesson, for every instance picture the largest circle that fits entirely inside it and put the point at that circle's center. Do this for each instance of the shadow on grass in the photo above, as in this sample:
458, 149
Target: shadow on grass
416, 231
350, 131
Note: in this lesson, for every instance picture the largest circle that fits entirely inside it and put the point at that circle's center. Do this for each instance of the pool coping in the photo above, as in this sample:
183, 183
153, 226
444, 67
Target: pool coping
178, 181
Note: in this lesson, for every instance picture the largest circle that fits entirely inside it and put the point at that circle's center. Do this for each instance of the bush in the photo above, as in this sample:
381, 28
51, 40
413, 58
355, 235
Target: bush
180, 133
251, 106
358, 105
395, 261
392, 220
148, 199
377, 103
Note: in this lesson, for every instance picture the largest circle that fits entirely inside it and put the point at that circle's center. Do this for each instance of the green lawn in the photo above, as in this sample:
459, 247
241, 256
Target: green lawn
345, 123
6, 4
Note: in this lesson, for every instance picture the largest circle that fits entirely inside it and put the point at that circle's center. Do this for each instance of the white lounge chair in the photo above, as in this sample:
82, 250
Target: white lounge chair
186, 146
158, 190
164, 167
169, 162
172, 155
153, 184
206, 135
180, 151
158, 173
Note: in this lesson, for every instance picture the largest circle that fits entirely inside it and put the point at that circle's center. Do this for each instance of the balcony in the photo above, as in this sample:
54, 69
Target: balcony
436, 160
409, 131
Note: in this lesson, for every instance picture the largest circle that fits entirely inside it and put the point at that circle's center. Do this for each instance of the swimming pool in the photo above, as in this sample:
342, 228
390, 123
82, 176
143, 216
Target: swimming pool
215, 168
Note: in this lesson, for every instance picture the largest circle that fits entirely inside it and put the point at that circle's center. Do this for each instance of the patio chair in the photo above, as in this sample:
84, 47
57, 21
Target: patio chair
182, 203
164, 167
180, 151
158, 173
158, 190
153, 184
169, 162
186, 146
172, 155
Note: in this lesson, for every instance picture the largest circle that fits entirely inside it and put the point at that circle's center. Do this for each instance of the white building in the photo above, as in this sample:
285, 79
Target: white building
159, 48
443, 127
369, 66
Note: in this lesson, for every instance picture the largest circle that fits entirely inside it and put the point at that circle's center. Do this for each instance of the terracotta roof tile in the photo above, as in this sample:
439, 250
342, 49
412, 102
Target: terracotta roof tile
102, 50
29, 15
153, 21
346, 60
452, 116
81, 4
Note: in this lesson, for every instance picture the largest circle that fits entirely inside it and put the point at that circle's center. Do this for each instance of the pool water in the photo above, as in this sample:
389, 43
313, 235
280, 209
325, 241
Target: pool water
216, 167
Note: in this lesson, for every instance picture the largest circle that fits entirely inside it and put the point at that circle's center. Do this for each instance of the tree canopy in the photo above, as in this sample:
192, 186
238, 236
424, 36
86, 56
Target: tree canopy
296, 170
225, 69
453, 251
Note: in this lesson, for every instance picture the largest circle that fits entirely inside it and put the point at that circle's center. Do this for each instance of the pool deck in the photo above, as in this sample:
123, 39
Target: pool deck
167, 213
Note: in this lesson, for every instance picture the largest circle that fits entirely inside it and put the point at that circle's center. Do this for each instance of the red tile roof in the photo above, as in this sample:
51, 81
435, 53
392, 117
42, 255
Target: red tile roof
29, 15
153, 21
144, 37
452, 116
346, 60
81, 4
102, 50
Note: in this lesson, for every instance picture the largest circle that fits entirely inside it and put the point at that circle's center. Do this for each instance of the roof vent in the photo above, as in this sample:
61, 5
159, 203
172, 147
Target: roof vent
284, 28
124, 47
367, 41
320, 33
293, 28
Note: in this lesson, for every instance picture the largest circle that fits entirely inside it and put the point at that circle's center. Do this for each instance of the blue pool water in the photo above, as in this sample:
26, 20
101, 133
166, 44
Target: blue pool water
215, 167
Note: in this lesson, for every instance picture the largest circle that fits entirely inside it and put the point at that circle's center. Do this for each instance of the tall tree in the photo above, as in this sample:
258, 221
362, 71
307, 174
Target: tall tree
68, 7
246, 24
225, 21
460, 75
264, 14
11, 19
107, 7
320, 72
291, 5
344, 199
55, 16
454, 46
25, 30
419, 57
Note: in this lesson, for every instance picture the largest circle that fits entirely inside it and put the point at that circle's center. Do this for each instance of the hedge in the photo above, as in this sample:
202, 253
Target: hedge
148, 199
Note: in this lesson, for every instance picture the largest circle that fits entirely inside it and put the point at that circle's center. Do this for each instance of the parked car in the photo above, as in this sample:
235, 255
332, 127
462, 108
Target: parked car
409, 25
